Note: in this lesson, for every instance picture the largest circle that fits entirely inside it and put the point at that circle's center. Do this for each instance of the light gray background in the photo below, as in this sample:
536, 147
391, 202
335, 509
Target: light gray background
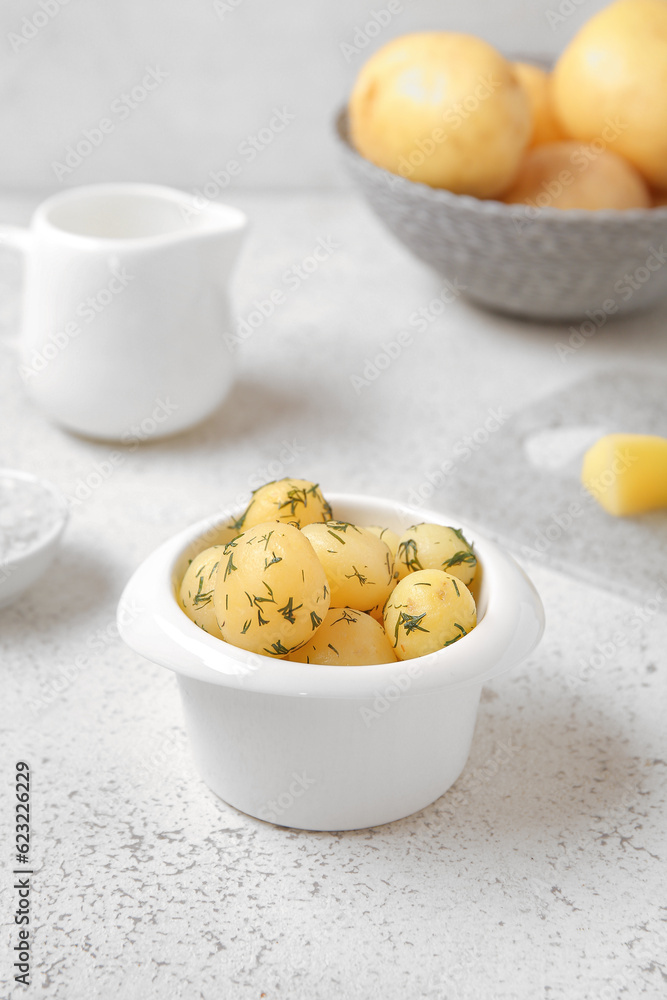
539, 881
227, 70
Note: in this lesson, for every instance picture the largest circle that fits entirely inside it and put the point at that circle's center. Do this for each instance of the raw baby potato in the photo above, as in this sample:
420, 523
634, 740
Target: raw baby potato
536, 83
444, 109
627, 473
426, 611
434, 546
293, 501
610, 84
358, 565
346, 638
196, 593
271, 591
569, 175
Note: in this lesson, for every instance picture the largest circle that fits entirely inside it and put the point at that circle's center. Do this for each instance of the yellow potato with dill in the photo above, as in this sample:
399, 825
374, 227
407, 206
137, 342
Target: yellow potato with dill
358, 565
346, 638
292, 501
197, 586
435, 546
271, 591
389, 537
428, 610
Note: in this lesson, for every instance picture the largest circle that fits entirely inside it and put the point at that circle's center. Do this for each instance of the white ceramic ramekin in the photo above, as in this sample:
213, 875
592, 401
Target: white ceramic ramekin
330, 748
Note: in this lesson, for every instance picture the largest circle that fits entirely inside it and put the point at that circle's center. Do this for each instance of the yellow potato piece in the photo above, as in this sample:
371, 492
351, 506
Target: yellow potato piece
346, 638
428, 610
443, 109
389, 537
292, 501
536, 83
435, 546
569, 175
271, 591
627, 473
358, 565
610, 84
196, 592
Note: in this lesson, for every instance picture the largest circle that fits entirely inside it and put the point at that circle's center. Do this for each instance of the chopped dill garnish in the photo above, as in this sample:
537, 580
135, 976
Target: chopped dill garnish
410, 623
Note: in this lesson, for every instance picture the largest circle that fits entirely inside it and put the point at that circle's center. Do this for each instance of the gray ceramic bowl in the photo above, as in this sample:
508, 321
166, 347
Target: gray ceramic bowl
544, 263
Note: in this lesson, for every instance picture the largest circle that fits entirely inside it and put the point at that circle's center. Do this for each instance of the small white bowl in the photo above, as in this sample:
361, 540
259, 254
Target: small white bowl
33, 515
321, 747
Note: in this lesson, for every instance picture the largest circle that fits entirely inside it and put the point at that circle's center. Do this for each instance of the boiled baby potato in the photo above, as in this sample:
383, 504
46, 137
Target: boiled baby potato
293, 501
443, 109
358, 565
389, 537
346, 638
570, 175
434, 546
536, 83
428, 610
627, 473
271, 591
198, 584
610, 84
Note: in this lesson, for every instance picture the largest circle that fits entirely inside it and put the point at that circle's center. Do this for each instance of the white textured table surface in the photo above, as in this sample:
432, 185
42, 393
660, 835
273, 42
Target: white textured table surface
536, 878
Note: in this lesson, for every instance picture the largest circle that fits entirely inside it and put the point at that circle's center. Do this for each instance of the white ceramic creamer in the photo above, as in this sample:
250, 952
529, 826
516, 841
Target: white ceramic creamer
126, 307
